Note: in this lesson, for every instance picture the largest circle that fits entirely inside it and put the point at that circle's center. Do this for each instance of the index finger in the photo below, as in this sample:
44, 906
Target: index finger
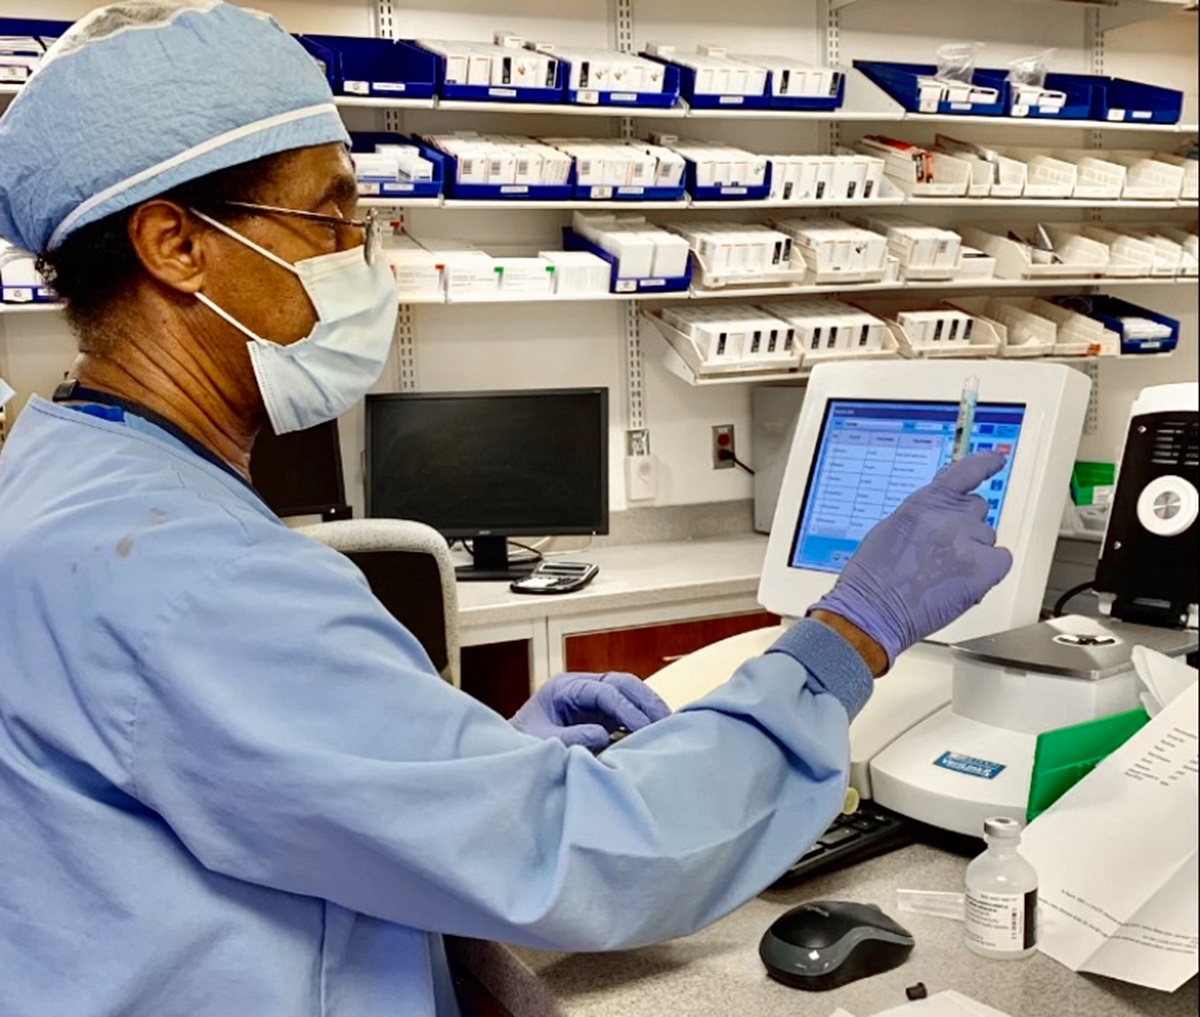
618, 709
969, 472
647, 700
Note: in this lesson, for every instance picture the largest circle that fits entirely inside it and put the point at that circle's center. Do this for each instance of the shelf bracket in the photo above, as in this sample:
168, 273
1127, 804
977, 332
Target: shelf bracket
830, 26
404, 351
635, 359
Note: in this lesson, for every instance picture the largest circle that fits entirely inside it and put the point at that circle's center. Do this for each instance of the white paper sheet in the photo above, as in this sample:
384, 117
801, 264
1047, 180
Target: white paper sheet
943, 1004
6, 393
1116, 858
1164, 678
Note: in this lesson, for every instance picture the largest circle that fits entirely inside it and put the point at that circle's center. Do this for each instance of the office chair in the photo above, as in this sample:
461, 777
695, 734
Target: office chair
407, 565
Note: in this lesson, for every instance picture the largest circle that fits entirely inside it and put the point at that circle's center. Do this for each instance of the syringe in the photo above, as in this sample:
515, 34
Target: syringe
965, 424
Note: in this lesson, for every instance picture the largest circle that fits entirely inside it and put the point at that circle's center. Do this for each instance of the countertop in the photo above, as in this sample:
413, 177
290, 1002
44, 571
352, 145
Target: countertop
717, 971
631, 576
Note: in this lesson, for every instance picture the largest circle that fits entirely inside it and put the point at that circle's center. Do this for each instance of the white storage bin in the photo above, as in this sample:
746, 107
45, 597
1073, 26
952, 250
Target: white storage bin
1047, 177
1074, 256
1019, 333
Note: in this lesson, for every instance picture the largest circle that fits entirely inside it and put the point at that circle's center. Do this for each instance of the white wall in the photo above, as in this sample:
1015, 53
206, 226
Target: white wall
471, 348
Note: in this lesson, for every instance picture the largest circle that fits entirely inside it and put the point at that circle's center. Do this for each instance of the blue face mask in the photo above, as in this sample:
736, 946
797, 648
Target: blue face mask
322, 375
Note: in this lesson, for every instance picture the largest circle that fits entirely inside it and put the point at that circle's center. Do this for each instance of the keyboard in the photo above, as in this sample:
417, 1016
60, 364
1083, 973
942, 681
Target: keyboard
871, 830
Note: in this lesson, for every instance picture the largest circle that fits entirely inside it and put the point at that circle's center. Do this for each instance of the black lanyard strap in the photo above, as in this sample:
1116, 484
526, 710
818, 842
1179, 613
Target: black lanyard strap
72, 391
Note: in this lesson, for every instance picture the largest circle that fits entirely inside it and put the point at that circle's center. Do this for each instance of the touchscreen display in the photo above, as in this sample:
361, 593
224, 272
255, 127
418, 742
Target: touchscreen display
872, 454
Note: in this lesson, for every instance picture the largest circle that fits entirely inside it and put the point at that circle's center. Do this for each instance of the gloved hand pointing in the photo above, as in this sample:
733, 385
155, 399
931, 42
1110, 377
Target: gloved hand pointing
927, 563
584, 709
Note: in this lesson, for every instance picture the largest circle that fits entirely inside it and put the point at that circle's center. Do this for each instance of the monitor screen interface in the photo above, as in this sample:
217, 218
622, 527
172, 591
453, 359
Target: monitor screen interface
872, 454
486, 465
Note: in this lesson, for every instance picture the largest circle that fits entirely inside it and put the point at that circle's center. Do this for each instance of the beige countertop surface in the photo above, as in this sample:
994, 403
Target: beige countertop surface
717, 971
631, 576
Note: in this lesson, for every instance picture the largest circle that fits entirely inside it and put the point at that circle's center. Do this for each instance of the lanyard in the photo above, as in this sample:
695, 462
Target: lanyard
72, 391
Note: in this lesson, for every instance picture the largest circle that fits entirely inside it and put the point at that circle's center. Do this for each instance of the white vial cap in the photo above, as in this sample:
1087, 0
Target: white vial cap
1002, 828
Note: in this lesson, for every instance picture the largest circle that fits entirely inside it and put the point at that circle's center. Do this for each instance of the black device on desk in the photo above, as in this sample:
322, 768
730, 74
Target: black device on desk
828, 943
556, 577
870, 831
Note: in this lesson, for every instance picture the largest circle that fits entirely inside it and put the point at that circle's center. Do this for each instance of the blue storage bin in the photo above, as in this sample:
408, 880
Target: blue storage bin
666, 99
380, 68
900, 82
807, 103
631, 194
1110, 310
515, 193
728, 192
494, 93
44, 31
1118, 100
687, 89
572, 241
366, 142
37, 27
1077, 107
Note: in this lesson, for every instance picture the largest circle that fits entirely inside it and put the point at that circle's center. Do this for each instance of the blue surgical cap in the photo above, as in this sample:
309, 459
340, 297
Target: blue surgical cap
144, 95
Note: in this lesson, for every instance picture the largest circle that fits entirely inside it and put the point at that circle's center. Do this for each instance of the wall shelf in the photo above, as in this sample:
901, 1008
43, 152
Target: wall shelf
781, 206
757, 293
677, 366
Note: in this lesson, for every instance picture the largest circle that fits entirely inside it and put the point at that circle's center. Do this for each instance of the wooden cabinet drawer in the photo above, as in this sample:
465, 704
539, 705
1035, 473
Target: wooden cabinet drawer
643, 650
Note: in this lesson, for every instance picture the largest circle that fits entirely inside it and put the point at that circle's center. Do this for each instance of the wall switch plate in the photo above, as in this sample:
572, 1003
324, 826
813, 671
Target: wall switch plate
641, 478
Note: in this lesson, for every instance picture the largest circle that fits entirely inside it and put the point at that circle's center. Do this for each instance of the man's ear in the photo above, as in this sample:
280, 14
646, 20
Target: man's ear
171, 244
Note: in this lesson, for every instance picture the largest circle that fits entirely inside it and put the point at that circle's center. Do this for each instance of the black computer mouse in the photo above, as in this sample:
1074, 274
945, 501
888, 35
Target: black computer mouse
827, 943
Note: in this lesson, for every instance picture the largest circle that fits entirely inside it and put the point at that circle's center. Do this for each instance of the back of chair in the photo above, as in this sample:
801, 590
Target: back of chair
408, 567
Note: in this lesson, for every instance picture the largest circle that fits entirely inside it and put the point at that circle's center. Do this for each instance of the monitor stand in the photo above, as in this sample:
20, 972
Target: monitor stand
491, 563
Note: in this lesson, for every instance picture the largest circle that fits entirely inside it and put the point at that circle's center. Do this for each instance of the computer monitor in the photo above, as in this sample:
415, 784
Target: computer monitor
871, 434
486, 466
300, 473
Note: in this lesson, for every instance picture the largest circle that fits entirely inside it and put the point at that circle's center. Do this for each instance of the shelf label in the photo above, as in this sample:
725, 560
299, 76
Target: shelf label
601, 193
1116, 114
356, 87
623, 97
1141, 114
503, 93
590, 97
631, 190
514, 189
390, 86
625, 286
732, 100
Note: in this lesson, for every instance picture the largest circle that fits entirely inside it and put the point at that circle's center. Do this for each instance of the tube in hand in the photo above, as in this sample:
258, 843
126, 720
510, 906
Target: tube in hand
965, 424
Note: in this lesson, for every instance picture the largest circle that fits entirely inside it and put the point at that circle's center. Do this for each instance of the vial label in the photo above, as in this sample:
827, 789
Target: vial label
1002, 921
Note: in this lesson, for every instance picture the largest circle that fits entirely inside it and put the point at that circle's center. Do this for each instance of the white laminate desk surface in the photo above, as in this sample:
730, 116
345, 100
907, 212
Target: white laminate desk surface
631, 576
717, 972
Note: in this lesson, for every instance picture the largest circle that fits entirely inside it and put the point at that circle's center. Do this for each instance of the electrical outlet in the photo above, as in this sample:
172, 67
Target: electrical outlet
722, 441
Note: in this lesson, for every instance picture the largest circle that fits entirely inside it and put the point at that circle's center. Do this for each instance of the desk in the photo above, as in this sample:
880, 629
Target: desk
717, 973
639, 584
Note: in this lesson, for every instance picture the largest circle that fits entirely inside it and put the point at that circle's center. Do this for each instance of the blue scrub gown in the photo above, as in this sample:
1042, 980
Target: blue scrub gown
231, 785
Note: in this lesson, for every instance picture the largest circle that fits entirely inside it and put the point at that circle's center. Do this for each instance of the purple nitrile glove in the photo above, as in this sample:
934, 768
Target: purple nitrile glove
585, 709
926, 563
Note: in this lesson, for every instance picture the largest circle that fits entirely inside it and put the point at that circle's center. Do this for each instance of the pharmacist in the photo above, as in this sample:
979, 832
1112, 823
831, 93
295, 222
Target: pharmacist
230, 783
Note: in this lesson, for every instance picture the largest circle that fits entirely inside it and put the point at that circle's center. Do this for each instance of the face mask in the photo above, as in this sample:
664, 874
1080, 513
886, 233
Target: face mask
322, 375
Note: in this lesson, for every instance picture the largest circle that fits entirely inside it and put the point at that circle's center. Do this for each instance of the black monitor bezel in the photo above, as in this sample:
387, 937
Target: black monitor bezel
328, 511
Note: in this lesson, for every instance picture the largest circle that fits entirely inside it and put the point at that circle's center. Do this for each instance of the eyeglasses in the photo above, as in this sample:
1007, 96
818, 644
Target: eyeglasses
371, 226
